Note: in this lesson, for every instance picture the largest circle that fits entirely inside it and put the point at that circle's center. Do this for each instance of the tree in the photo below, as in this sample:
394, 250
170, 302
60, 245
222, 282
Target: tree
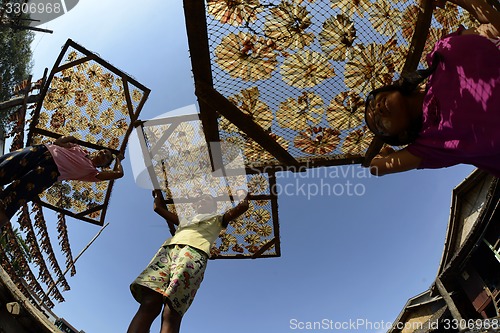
15, 63
5, 244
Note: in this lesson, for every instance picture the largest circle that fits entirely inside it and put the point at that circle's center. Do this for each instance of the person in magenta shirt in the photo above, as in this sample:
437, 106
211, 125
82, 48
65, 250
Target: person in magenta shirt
456, 117
32, 170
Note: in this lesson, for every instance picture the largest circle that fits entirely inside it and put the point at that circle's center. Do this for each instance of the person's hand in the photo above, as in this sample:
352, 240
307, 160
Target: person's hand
157, 194
158, 198
119, 157
386, 151
65, 141
241, 194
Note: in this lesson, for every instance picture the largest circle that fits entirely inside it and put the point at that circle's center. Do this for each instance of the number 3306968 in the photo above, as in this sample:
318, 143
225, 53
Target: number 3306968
33, 8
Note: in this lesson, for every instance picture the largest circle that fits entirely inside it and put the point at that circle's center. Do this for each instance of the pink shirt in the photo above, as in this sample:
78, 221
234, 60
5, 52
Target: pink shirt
461, 110
72, 163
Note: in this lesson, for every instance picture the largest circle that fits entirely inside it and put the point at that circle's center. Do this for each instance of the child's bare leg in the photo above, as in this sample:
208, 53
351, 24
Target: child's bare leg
170, 320
150, 308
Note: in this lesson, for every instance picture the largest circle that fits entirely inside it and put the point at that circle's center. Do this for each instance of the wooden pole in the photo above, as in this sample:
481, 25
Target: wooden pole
24, 27
416, 48
447, 298
19, 101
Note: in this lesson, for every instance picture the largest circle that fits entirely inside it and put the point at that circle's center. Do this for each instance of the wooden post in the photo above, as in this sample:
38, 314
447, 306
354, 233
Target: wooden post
449, 301
24, 27
412, 59
196, 27
18, 101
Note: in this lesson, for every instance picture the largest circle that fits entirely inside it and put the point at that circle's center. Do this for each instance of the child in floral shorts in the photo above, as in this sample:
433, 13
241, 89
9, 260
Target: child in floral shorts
174, 275
178, 282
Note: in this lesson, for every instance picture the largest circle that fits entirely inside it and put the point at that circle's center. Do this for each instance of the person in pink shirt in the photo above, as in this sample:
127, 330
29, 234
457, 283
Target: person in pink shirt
455, 118
31, 170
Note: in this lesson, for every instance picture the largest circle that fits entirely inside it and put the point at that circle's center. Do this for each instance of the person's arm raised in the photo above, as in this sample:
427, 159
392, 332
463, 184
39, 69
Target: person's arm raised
391, 161
160, 208
65, 141
112, 174
235, 212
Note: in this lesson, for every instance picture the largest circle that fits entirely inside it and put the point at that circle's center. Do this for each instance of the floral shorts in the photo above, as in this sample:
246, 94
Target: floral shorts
176, 272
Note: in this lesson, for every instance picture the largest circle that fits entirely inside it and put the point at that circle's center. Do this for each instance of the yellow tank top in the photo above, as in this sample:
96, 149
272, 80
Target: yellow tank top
200, 233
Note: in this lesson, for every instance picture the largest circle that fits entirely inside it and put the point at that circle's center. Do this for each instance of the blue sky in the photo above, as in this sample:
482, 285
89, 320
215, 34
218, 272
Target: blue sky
345, 258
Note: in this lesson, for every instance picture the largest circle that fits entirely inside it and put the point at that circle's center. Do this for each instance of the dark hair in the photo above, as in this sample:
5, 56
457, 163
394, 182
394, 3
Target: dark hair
205, 196
109, 162
406, 85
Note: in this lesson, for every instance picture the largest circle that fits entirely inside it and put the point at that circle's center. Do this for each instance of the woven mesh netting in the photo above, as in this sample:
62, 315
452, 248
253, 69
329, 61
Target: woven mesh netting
256, 231
180, 165
92, 101
301, 69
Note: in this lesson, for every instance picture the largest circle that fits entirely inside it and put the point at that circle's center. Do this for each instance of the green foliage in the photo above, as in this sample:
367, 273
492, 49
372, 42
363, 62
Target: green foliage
6, 244
15, 61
